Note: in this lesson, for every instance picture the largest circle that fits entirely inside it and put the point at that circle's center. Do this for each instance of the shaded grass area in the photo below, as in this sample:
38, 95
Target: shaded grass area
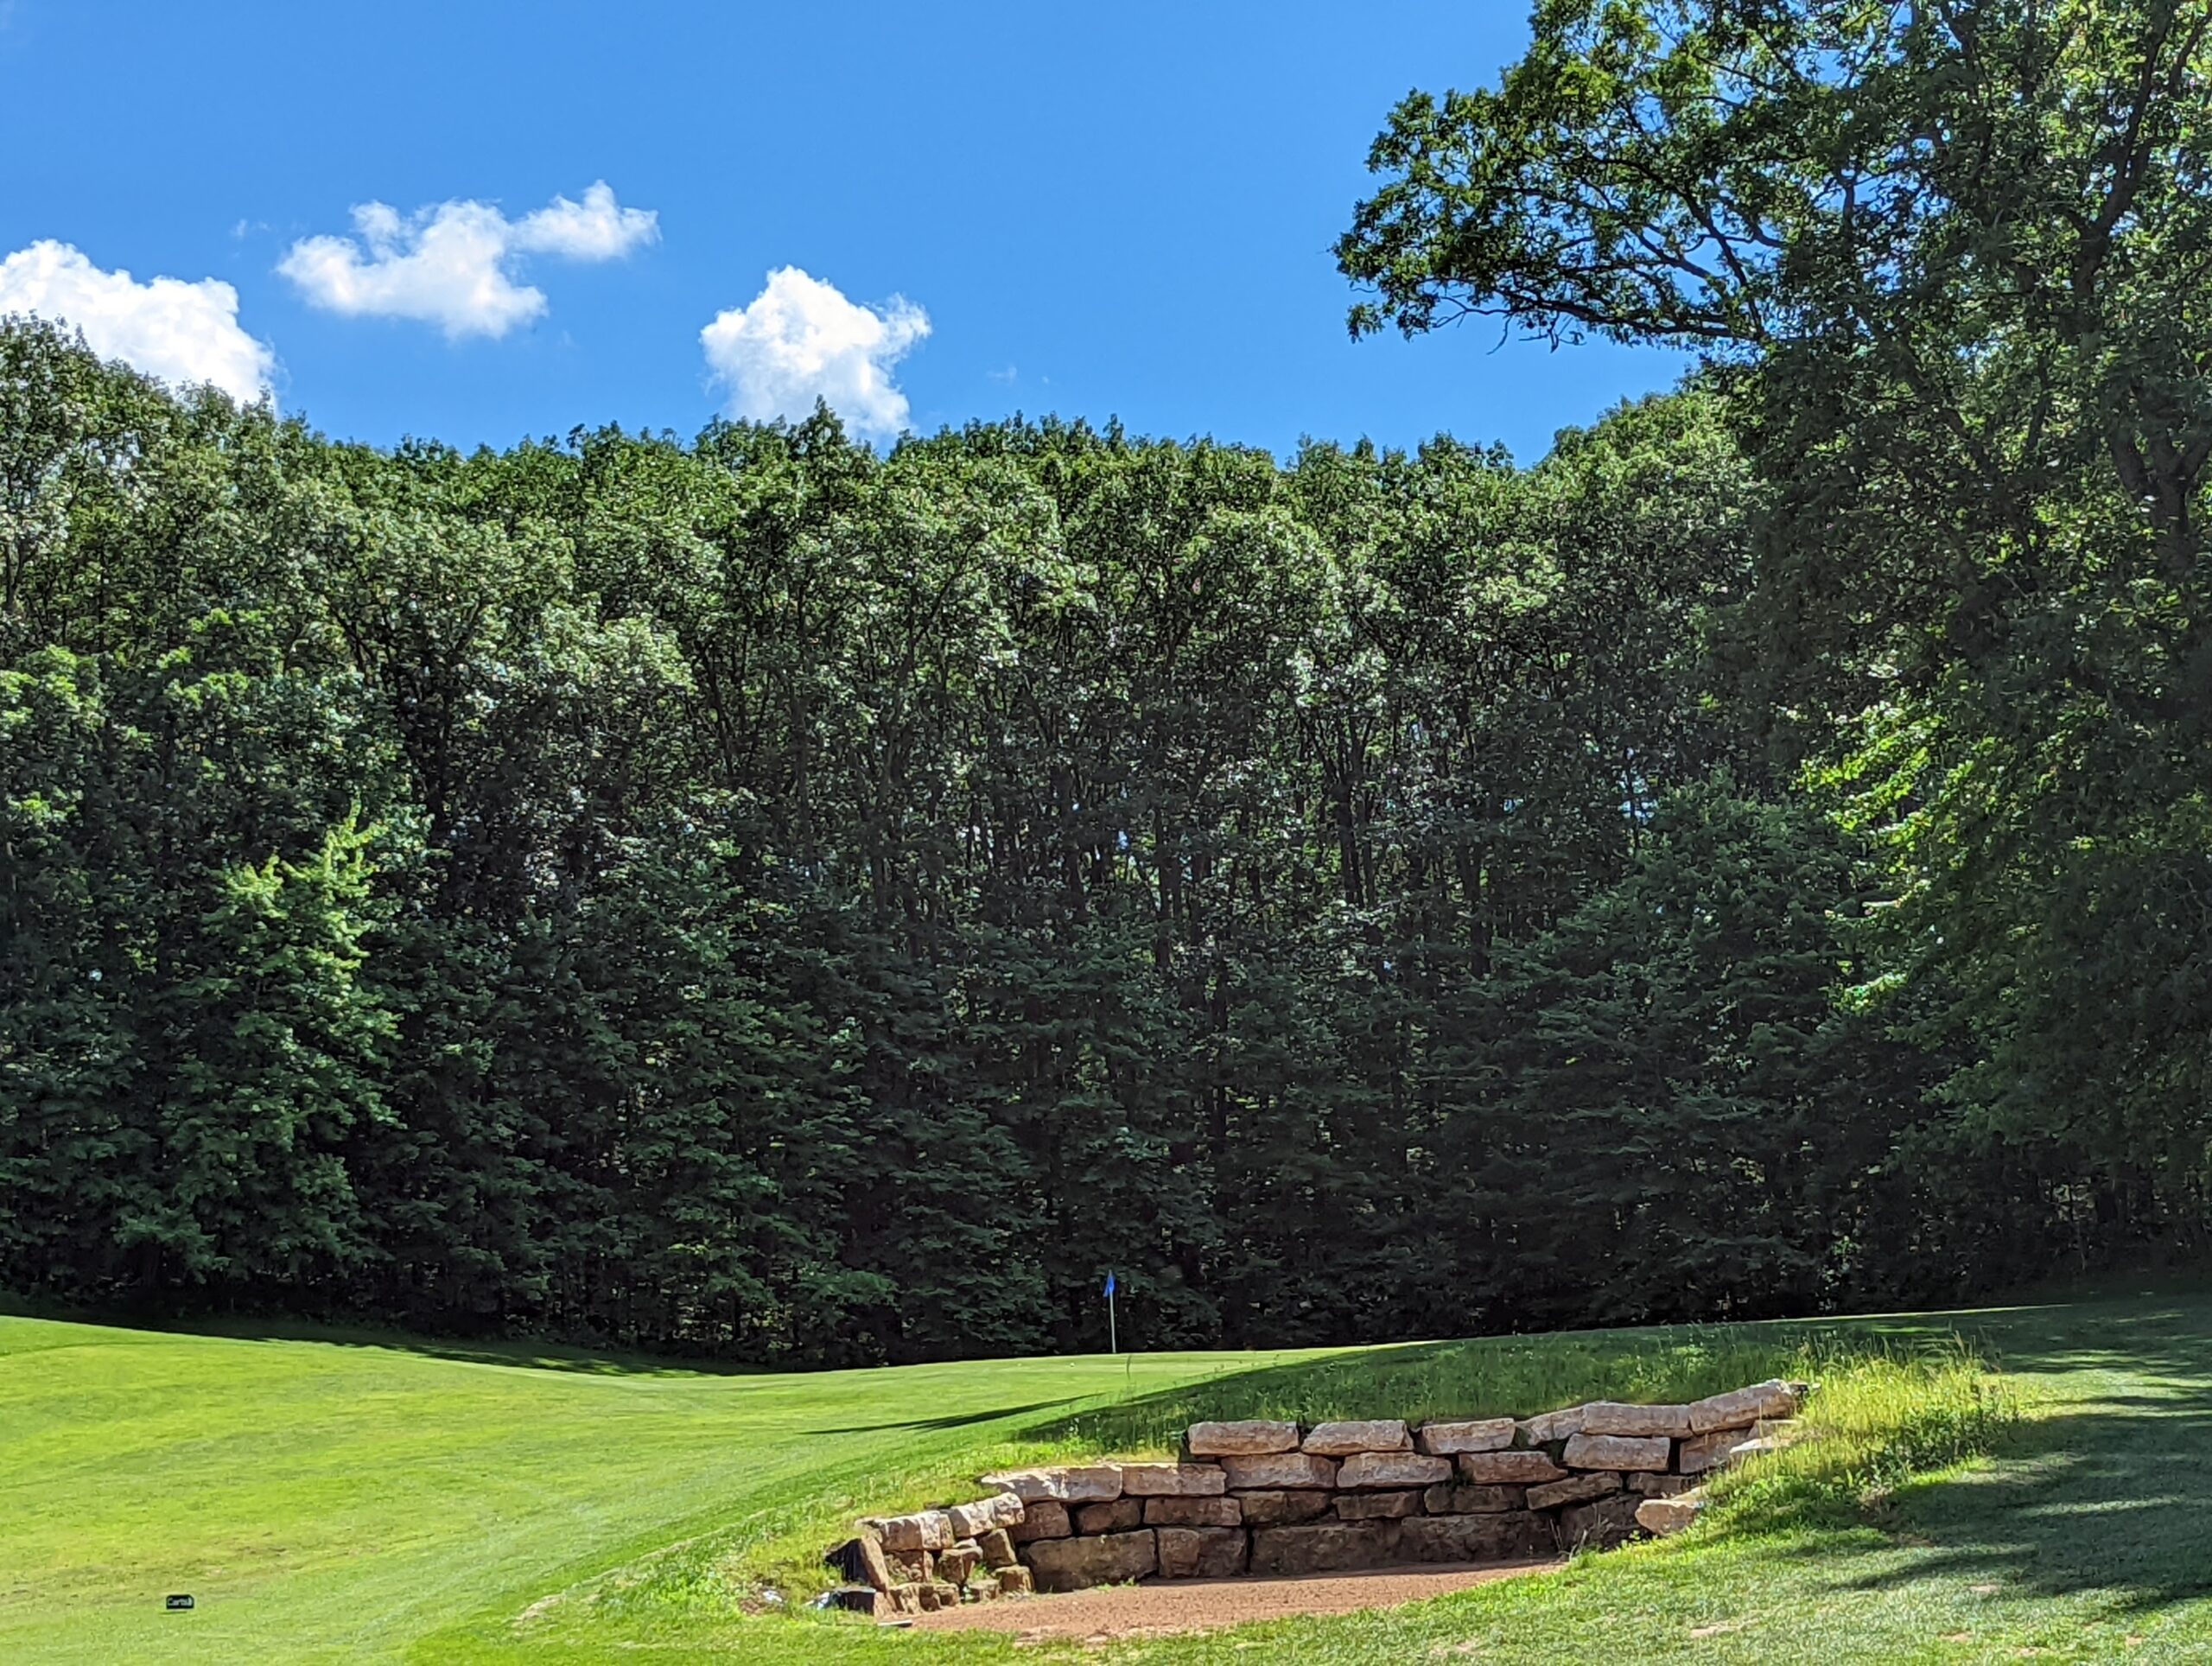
338, 1500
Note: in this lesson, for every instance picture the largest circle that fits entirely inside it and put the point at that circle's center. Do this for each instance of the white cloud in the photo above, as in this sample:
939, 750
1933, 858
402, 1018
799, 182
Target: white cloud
452, 264
801, 340
183, 333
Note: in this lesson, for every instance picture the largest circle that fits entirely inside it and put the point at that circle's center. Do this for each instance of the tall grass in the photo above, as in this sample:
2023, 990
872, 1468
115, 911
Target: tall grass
1877, 1420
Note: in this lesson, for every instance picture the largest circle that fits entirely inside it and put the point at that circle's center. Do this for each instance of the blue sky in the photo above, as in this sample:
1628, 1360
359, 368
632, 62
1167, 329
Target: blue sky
1094, 211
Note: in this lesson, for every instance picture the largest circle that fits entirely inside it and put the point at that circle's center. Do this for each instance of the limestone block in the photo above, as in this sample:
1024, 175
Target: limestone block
1342, 1440
1509, 1468
1552, 1426
948, 1596
1041, 1521
1065, 1484
1615, 1417
1000, 1509
1283, 1509
863, 1560
1276, 1469
1618, 1451
1202, 1553
926, 1529
905, 1598
1119, 1517
1377, 1506
1014, 1582
1449, 1439
1366, 1469
959, 1561
925, 1598
1702, 1452
997, 1548
981, 1587
1666, 1515
1469, 1500
1741, 1408
1601, 1524
911, 1567
1575, 1490
1660, 1487
1193, 1512
1072, 1564
1174, 1480
1241, 1440
1326, 1546
1475, 1538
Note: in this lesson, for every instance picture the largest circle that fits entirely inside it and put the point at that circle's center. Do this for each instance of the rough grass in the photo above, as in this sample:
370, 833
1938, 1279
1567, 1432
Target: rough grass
334, 1502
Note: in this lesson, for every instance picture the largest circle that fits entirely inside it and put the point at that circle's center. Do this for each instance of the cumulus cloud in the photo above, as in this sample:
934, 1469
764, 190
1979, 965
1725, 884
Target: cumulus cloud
801, 340
452, 264
183, 333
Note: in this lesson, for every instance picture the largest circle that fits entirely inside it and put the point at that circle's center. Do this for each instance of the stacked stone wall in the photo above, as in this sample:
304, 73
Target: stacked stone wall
1260, 1497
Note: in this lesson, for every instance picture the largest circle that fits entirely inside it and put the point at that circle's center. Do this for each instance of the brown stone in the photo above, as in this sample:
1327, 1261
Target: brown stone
1326, 1547
1015, 1582
1599, 1525
911, 1567
1065, 1484
948, 1596
1449, 1439
1283, 1509
1366, 1469
1377, 1506
1000, 1509
1660, 1487
925, 1598
1277, 1470
862, 1559
905, 1598
1041, 1521
1509, 1468
997, 1548
1701, 1453
1666, 1515
927, 1529
1454, 1500
1201, 1553
1118, 1516
1742, 1408
981, 1587
1073, 1564
1174, 1480
1342, 1440
1552, 1426
1193, 1512
1618, 1451
1475, 1538
959, 1561
1575, 1490
1241, 1440
1618, 1417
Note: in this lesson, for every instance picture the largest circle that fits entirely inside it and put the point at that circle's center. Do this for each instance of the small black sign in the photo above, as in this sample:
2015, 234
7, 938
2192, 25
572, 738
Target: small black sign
178, 1604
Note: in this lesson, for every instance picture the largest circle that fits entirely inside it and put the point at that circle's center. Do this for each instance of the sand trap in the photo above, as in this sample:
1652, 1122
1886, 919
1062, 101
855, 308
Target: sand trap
1121, 1611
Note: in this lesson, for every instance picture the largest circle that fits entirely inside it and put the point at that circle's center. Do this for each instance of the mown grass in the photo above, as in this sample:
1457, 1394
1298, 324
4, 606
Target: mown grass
356, 1502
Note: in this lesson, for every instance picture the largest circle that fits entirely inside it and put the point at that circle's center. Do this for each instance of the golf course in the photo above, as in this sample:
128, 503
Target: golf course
2023, 1481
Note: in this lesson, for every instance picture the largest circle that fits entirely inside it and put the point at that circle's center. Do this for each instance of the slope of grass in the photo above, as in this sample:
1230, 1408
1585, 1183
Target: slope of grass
330, 1500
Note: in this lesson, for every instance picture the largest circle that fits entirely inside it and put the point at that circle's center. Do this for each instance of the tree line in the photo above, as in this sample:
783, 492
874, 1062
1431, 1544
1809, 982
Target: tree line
758, 896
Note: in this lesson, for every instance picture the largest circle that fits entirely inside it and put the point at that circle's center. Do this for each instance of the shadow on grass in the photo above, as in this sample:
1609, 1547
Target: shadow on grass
932, 1425
1485, 1376
2114, 1497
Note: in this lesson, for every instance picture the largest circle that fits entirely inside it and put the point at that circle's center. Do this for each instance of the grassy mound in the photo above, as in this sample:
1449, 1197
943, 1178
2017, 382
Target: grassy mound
355, 1498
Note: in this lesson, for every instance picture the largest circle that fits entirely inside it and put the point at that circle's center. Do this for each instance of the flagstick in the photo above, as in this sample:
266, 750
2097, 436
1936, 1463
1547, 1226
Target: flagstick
1112, 1337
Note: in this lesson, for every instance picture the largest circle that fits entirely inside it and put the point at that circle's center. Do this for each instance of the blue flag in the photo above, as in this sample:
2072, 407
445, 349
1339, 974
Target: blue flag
1110, 1284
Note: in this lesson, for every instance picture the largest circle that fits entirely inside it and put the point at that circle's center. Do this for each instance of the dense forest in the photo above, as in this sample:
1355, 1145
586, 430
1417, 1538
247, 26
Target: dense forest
762, 896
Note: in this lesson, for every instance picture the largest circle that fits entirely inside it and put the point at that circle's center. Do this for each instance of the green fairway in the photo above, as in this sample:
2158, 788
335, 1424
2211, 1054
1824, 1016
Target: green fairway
326, 1500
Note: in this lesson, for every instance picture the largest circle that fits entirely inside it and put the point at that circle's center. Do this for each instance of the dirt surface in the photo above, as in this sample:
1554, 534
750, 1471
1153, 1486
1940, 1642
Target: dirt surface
1155, 1610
